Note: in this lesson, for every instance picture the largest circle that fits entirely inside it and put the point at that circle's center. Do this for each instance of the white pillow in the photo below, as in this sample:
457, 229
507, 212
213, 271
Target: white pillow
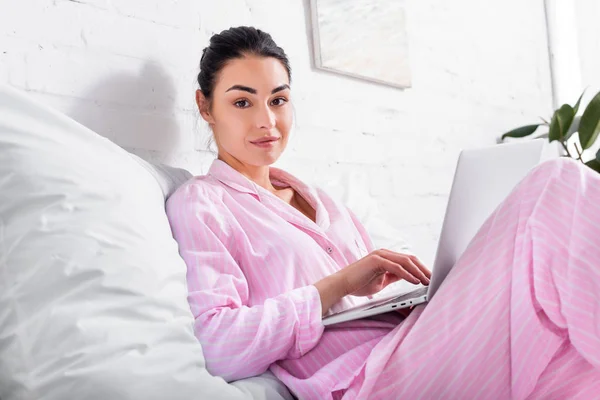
92, 288
168, 178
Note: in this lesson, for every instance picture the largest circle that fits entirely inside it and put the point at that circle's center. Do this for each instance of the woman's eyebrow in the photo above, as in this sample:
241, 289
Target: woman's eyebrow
253, 91
242, 87
280, 88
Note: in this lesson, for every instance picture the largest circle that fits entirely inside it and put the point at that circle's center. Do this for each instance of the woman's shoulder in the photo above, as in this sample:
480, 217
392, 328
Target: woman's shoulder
198, 189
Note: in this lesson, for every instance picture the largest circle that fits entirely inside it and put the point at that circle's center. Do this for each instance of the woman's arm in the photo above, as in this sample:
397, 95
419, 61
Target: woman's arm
238, 341
372, 273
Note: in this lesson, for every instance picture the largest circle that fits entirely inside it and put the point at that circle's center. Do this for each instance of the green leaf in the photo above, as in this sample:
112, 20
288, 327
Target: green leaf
576, 108
521, 132
598, 155
594, 164
589, 127
574, 127
554, 133
561, 122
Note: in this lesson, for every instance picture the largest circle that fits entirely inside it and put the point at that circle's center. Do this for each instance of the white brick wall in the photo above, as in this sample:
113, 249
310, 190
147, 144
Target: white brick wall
126, 68
587, 13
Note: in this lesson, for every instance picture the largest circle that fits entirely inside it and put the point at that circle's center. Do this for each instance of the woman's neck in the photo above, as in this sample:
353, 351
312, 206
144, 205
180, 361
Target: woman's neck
259, 175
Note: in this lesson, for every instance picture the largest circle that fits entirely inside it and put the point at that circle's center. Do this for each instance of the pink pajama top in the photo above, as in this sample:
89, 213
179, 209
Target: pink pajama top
252, 260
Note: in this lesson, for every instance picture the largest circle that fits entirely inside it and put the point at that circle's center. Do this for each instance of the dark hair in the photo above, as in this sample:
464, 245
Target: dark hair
236, 43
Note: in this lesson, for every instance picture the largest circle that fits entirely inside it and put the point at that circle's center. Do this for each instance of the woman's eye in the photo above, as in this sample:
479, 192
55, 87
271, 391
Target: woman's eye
241, 103
279, 101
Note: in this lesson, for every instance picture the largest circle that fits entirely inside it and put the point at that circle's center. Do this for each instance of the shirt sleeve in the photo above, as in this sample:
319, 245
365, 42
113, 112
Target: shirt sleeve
238, 340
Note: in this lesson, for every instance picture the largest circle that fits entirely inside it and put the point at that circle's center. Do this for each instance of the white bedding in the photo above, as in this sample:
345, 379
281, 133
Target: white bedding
92, 289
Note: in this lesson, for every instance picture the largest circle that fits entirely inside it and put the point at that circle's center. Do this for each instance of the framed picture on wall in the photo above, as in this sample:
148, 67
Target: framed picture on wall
365, 39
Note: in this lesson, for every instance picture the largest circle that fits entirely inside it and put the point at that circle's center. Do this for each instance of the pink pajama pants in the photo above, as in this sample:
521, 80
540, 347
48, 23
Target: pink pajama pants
519, 315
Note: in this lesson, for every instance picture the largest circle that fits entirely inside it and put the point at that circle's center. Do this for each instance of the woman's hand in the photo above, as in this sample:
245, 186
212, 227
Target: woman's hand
374, 272
370, 275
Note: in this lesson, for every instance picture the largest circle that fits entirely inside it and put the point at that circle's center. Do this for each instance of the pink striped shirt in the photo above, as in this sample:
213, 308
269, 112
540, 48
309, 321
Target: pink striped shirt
252, 261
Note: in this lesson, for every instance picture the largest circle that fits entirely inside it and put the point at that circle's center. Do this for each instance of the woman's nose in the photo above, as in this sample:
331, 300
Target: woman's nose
265, 117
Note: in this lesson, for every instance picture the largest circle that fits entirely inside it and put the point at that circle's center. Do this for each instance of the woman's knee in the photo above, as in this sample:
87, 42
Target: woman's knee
558, 164
561, 168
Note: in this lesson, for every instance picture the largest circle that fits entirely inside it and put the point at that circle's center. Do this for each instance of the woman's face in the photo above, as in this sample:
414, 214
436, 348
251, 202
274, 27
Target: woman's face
250, 113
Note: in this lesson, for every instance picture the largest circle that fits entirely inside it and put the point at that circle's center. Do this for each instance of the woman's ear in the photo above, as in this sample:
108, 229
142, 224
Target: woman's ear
204, 107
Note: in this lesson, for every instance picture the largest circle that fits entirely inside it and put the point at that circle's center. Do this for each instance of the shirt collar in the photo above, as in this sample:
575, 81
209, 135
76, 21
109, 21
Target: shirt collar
235, 180
230, 177
227, 175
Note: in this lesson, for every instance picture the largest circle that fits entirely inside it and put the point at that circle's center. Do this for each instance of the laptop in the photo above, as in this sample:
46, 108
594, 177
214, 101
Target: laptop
483, 178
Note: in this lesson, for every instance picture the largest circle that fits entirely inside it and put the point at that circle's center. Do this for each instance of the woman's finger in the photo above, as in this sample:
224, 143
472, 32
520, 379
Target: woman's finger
416, 271
421, 266
398, 270
406, 262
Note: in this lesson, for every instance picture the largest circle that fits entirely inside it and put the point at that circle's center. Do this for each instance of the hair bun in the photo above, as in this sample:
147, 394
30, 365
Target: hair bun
236, 43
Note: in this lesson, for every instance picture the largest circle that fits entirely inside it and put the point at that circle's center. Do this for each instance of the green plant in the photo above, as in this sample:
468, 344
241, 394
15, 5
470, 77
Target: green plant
564, 124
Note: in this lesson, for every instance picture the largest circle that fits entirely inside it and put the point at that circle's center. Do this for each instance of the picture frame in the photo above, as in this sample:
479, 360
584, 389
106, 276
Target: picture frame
364, 39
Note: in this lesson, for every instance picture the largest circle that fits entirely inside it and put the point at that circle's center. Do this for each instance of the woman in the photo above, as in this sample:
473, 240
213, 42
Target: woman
267, 256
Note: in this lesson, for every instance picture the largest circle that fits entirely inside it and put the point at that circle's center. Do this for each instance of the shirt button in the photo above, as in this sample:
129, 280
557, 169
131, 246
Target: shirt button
329, 250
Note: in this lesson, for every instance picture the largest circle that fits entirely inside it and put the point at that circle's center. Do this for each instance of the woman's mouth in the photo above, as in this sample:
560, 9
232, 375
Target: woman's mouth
265, 142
